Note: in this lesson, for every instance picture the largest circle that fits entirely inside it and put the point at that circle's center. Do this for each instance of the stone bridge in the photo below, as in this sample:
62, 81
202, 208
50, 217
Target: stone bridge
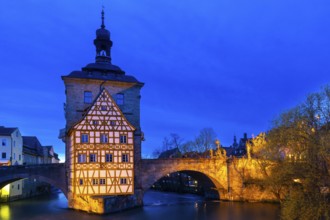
223, 179
212, 174
53, 174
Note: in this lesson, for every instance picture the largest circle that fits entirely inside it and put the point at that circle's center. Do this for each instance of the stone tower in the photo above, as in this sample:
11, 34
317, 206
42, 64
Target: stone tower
82, 88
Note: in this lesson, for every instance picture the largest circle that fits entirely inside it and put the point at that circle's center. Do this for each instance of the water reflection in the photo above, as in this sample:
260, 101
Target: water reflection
4, 212
158, 205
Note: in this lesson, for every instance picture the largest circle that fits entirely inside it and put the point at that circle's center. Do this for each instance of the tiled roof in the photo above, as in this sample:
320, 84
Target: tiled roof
101, 76
102, 71
6, 131
31, 145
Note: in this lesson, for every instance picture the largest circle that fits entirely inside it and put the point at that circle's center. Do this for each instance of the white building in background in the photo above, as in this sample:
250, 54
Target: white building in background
11, 148
16, 149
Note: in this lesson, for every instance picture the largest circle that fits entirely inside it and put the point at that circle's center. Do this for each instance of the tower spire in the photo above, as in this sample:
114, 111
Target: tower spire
102, 25
103, 43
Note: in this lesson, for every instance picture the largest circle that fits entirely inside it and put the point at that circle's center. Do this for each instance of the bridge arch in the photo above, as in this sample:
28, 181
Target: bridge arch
53, 174
214, 179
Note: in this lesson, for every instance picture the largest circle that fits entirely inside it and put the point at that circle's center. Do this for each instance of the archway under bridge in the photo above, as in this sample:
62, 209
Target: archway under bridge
211, 174
53, 174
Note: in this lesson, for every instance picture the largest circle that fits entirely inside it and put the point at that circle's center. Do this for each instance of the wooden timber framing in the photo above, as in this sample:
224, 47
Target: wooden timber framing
103, 131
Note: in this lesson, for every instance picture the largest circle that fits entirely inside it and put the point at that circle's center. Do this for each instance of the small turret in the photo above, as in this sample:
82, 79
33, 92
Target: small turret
103, 43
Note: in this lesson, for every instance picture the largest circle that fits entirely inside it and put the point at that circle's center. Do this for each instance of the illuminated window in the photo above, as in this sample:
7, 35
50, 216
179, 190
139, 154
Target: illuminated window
81, 158
102, 181
95, 181
4, 155
123, 139
103, 107
124, 158
123, 181
108, 158
84, 138
92, 158
88, 97
4, 142
120, 99
104, 138
81, 182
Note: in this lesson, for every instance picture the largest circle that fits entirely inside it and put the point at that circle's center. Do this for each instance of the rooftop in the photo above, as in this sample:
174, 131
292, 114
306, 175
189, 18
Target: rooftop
6, 131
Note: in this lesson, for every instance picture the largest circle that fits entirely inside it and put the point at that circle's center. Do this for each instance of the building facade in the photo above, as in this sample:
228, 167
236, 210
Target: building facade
11, 155
102, 133
17, 150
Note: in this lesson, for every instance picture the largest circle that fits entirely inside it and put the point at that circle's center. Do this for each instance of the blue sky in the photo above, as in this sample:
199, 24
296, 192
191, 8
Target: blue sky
232, 65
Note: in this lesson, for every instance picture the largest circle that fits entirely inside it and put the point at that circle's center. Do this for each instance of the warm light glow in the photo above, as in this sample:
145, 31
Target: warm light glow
5, 191
297, 180
4, 212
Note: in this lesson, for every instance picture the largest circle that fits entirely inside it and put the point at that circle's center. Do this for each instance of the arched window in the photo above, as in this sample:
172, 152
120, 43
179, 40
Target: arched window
103, 53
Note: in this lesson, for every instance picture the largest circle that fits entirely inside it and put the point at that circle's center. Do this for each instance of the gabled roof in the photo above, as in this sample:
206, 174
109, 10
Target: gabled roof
48, 150
31, 145
6, 131
112, 112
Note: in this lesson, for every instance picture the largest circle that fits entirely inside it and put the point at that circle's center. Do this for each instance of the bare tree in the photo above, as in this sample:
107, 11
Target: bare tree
175, 140
166, 144
205, 140
187, 147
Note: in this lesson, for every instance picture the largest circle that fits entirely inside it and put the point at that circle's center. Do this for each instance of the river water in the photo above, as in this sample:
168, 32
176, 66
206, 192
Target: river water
158, 206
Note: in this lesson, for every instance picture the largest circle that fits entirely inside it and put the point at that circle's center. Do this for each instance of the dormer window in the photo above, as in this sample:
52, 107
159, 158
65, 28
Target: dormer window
88, 97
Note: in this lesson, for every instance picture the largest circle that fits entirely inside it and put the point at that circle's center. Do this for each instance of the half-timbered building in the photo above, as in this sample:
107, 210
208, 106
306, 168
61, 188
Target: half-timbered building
102, 133
103, 150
